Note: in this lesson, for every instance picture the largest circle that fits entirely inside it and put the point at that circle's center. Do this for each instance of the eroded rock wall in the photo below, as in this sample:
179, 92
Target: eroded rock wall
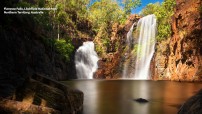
180, 58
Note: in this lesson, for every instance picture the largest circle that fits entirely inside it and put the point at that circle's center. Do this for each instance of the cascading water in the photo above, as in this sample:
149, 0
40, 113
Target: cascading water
144, 48
86, 61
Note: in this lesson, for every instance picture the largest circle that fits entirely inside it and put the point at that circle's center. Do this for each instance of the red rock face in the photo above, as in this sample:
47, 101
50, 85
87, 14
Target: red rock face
110, 64
130, 21
184, 61
108, 67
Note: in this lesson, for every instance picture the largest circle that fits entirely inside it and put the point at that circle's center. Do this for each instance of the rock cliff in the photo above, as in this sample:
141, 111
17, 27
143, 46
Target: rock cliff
180, 57
25, 52
111, 64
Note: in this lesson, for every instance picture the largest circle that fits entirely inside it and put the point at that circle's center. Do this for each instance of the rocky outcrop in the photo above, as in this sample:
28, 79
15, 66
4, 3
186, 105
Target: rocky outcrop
108, 67
77, 42
129, 22
192, 105
181, 56
43, 95
159, 63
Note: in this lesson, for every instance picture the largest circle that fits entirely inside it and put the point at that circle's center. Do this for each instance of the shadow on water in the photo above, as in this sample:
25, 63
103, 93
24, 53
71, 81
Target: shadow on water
117, 96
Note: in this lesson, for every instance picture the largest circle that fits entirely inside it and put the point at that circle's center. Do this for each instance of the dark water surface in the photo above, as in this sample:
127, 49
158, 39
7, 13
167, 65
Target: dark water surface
116, 96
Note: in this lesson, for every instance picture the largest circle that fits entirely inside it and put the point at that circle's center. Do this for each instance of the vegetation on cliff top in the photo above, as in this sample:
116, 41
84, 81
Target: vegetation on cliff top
56, 28
88, 19
74, 19
103, 14
164, 13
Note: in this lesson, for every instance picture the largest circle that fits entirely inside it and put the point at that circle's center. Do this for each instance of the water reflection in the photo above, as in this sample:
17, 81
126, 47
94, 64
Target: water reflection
116, 96
90, 96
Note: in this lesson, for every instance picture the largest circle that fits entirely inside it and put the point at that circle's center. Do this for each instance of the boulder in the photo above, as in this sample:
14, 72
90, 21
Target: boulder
192, 105
43, 93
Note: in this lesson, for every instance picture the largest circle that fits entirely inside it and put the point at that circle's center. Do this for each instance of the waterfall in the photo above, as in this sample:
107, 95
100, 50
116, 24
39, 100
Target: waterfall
138, 66
86, 61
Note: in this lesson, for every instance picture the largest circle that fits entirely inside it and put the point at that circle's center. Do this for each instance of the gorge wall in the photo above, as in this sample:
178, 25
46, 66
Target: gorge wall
25, 53
27, 48
180, 57
110, 65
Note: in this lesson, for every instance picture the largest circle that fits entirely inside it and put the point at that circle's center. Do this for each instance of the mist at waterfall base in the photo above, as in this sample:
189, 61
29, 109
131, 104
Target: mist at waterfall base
86, 61
141, 50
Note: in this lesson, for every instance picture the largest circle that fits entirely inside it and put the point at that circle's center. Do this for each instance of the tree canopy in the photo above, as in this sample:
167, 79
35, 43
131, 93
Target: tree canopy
163, 13
104, 13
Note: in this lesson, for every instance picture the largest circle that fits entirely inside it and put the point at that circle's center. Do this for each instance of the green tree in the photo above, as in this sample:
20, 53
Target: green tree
130, 4
104, 13
163, 13
150, 9
65, 48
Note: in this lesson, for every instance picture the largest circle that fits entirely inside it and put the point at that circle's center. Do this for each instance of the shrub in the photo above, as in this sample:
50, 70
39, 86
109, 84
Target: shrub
64, 48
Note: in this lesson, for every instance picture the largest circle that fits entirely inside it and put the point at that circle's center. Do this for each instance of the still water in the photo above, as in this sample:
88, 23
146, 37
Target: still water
117, 96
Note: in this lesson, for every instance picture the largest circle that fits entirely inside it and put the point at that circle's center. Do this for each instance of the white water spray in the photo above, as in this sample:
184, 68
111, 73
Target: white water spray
146, 29
86, 61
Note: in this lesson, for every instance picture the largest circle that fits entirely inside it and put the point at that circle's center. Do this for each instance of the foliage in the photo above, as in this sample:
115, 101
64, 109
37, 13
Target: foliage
137, 50
70, 15
41, 3
73, 16
99, 50
131, 4
163, 13
150, 9
52, 21
65, 48
104, 13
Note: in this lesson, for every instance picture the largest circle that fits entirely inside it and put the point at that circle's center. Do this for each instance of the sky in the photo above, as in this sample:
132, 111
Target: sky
144, 3
138, 9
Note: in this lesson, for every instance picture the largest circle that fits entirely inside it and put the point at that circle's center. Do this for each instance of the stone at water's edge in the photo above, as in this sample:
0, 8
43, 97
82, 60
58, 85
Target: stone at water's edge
141, 100
13, 107
180, 58
192, 105
42, 93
